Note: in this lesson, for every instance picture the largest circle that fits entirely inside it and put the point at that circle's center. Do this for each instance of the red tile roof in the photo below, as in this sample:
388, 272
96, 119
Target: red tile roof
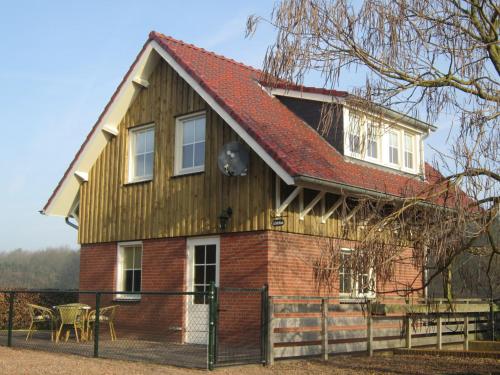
293, 144
298, 148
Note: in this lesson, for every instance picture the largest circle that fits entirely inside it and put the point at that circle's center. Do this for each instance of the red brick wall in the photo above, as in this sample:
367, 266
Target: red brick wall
163, 269
247, 260
291, 258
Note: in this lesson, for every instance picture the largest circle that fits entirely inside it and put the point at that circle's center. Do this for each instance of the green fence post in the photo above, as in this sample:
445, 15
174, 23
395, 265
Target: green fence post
492, 320
212, 312
264, 305
96, 323
11, 318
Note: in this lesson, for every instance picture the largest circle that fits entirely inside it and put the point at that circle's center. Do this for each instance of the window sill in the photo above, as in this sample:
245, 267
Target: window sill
127, 300
188, 173
145, 181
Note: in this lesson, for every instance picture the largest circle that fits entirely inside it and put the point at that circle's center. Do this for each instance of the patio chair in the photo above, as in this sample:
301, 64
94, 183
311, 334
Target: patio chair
73, 316
39, 316
106, 315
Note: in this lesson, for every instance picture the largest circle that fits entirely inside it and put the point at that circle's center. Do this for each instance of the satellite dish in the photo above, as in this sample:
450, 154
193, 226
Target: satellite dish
233, 159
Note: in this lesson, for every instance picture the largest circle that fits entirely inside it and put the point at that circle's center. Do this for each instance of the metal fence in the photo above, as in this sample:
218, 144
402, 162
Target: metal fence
190, 329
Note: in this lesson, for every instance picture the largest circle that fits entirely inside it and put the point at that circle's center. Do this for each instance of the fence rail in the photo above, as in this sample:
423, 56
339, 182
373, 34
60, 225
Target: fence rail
309, 325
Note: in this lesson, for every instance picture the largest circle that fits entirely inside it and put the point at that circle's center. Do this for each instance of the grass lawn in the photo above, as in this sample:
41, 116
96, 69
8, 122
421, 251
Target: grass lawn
19, 361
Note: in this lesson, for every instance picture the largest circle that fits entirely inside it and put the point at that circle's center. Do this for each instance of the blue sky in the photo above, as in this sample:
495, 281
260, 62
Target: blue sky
60, 62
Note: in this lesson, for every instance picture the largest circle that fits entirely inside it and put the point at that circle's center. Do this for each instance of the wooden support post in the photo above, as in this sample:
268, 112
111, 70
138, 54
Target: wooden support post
439, 332
270, 333
466, 332
369, 329
408, 331
324, 328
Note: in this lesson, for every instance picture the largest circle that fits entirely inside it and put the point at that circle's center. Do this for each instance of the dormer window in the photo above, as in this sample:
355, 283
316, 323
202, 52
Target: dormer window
372, 142
409, 152
393, 147
384, 142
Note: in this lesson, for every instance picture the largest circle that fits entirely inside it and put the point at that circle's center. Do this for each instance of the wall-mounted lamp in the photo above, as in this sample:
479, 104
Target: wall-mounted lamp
224, 218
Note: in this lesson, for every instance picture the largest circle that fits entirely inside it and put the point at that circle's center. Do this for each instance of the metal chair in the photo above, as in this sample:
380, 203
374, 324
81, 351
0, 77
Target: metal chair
71, 315
40, 315
106, 315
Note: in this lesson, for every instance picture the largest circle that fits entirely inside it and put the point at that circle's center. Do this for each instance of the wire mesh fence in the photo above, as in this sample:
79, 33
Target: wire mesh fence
156, 327
240, 325
189, 329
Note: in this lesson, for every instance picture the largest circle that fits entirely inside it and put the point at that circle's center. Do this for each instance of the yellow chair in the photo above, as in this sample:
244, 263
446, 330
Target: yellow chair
71, 315
40, 315
106, 315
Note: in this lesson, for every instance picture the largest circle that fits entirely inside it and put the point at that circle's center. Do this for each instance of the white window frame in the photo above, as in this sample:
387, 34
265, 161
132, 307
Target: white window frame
413, 152
119, 270
179, 128
354, 129
355, 294
398, 147
131, 152
377, 138
382, 130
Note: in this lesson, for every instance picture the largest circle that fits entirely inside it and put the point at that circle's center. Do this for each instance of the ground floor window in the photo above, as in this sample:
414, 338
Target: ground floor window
129, 269
352, 284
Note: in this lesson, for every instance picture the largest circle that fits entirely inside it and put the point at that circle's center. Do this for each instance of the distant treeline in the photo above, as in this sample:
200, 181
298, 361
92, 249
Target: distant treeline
52, 268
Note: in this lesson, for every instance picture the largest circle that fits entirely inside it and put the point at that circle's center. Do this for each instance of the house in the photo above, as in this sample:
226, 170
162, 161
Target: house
155, 212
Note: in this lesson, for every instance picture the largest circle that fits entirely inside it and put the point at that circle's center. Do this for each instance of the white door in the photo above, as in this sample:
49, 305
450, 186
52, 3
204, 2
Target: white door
203, 268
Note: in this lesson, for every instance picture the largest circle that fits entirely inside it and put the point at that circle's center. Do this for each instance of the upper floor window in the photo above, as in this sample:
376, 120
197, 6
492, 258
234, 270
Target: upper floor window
372, 142
190, 144
393, 147
129, 269
141, 159
409, 151
354, 135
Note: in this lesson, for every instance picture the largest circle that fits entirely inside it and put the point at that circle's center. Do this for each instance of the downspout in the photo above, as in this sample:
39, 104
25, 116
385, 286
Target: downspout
73, 225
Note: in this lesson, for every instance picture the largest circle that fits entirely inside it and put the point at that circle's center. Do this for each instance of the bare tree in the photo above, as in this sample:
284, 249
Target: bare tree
422, 58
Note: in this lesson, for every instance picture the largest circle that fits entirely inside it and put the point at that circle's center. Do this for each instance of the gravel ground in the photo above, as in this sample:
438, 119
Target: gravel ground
18, 361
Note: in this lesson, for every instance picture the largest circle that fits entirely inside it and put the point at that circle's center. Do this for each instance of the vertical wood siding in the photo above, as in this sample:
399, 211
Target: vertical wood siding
170, 206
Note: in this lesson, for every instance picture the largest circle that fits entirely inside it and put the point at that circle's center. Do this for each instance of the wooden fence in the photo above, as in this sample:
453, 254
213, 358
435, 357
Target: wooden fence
303, 326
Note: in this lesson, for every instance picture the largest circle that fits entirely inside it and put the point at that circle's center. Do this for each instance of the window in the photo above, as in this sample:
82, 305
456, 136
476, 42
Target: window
190, 144
205, 268
141, 159
345, 273
372, 142
354, 285
129, 269
409, 151
393, 147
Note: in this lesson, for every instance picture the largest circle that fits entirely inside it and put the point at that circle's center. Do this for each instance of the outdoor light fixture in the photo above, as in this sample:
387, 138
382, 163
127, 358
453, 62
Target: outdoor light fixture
224, 218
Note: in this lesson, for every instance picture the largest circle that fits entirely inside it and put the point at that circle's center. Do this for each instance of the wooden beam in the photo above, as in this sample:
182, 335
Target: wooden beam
110, 130
352, 213
288, 200
141, 82
332, 209
311, 205
277, 191
82, 176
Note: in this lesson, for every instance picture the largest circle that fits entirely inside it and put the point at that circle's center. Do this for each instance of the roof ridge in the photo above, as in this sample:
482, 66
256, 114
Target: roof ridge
155, 34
